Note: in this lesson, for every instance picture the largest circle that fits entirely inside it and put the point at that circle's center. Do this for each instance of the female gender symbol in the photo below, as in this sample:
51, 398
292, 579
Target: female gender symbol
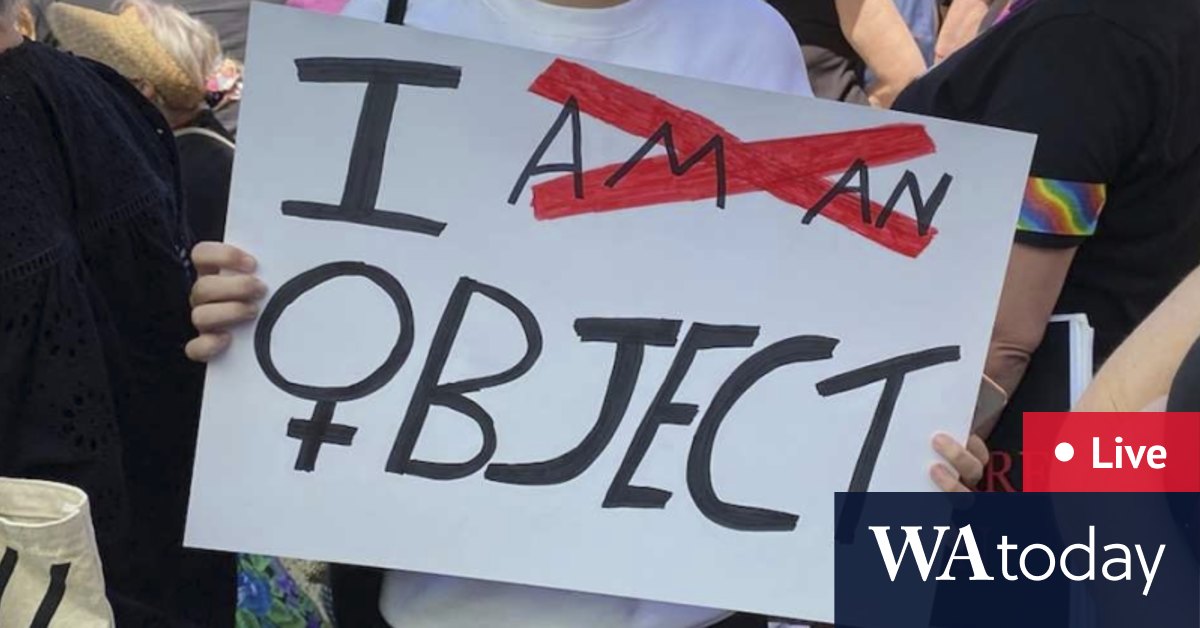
320, 429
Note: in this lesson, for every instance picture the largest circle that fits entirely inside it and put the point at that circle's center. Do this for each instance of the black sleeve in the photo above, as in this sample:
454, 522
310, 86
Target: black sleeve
57, 416
1086, 87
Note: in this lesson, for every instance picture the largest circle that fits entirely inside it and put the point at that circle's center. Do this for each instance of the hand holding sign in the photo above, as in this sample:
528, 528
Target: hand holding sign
966, 463
225, 295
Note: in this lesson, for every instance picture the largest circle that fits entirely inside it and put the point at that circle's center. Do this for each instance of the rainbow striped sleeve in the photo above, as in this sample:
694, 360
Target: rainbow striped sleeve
1064, 208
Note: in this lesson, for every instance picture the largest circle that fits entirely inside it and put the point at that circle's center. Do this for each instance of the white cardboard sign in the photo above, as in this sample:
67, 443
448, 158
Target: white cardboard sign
511, 337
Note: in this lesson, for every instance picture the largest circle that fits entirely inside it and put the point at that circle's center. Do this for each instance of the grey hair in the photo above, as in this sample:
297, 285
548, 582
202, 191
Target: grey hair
192, 44
8, 10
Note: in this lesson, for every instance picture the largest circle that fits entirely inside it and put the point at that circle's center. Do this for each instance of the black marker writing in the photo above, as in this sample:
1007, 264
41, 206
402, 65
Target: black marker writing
699, 465
361, 189
665, 411
452, 395
925, 209
320, 429
892, 372
863, 189
534, 167
631, 336
715, 145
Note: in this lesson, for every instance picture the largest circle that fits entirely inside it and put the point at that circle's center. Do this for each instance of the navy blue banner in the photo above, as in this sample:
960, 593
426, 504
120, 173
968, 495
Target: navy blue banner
1061, 560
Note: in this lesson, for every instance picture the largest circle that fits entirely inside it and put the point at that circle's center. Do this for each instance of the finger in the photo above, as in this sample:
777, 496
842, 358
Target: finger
216, 317
946, 480
213, 257
979, 449
968, 466
207, 346
220, 288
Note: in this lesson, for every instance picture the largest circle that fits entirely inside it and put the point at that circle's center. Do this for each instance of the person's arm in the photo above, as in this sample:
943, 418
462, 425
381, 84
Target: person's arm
878, 33
1140, 371
961, 25
1031, 287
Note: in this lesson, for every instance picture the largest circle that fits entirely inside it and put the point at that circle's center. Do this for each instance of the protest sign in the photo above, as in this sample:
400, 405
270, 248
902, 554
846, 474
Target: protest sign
573, 325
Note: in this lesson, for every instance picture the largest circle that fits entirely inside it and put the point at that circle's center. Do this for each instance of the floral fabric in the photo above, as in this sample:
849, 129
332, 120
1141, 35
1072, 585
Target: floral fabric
275, 594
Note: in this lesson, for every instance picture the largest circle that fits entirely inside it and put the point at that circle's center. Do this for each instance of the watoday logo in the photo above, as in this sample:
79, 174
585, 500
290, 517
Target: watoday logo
1071, 535
1034, 562
1106, 533
1080, 558
1148, 452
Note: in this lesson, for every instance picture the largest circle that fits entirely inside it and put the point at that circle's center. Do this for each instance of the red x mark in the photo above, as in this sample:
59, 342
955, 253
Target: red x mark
792, 169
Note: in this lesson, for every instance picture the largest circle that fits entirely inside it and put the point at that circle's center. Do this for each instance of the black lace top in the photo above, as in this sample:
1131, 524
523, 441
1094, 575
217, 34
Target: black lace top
94, 388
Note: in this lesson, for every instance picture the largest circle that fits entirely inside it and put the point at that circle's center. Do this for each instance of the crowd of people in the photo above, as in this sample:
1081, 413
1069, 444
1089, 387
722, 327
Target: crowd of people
117, 136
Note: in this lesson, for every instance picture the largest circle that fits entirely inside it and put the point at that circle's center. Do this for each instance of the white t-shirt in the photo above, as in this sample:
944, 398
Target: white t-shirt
736, 42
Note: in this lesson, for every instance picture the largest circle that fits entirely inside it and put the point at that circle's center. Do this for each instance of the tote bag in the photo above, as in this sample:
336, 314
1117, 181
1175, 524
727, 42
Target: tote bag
49, 568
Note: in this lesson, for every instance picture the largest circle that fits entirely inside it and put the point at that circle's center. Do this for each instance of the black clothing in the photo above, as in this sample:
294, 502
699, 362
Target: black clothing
1112, 88
94, 388
995, 9
819, 18
206, 165
356, 592
834, 68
